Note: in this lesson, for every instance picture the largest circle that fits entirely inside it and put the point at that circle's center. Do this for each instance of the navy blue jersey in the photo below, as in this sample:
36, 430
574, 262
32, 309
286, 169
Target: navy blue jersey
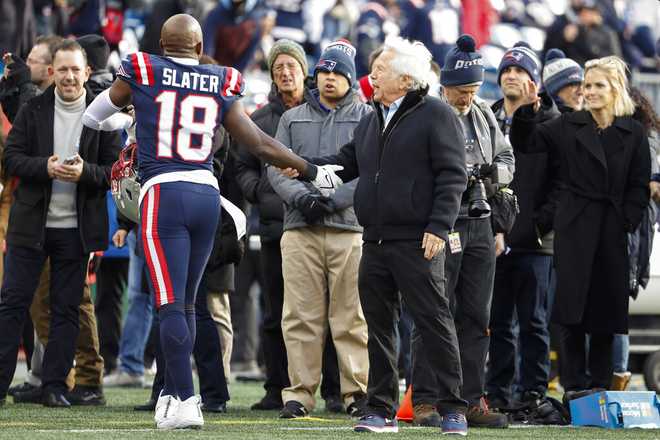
178, 107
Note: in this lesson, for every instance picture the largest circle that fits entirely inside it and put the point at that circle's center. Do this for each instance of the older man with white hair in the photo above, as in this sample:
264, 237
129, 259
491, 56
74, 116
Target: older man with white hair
409, 154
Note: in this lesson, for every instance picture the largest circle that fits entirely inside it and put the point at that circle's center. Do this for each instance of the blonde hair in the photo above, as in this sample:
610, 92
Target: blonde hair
615, 71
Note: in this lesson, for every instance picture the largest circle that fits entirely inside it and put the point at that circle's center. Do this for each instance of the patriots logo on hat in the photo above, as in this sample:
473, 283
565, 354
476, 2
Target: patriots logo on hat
328, 65
516, 56
122, 72
343, 45
464, 64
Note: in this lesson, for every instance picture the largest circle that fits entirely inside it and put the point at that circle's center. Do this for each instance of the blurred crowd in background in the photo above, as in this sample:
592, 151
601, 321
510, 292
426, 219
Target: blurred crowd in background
239, 33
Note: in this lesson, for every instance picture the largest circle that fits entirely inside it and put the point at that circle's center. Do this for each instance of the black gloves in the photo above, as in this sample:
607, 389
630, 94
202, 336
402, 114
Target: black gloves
315, 206
19, 72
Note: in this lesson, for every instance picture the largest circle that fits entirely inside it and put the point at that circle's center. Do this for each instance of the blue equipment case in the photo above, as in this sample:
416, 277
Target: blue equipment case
617, 409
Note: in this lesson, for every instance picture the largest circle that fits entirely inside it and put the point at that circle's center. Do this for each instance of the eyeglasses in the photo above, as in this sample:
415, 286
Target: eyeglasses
278, 68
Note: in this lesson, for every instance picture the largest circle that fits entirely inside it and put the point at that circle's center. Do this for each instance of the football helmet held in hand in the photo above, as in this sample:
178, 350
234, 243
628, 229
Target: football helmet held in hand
124, 183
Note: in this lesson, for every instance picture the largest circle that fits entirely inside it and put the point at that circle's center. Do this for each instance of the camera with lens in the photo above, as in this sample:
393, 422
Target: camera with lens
496, 175
477, 199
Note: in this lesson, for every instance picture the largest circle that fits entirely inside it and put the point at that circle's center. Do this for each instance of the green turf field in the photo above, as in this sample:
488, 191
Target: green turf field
118, 421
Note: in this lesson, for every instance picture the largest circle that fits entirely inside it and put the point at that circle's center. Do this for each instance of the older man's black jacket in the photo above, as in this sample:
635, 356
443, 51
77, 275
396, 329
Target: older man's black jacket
29, 144
412, 175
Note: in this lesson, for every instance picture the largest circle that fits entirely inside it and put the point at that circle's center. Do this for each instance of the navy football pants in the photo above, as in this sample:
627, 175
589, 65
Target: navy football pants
178, 223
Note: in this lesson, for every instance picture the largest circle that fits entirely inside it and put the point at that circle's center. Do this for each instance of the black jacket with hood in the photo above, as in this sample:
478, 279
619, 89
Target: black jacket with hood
536, 185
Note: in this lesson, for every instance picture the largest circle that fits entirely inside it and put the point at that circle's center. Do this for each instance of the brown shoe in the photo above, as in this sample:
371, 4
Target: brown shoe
479, 416
620, 381
426, 415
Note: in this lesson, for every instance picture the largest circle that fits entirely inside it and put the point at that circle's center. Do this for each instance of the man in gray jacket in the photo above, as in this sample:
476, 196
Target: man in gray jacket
470, 265
321, 244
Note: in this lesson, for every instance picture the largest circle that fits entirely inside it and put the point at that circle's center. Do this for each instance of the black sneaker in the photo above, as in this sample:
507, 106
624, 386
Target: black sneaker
82, 395
269, 402
30, 395
293, 410
358, 408
2, 402
25, 386
214, 407
531, 399
570, 395
334, 404
54, 399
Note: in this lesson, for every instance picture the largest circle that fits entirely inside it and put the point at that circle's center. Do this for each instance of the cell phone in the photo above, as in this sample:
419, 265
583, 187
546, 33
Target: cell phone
71, 160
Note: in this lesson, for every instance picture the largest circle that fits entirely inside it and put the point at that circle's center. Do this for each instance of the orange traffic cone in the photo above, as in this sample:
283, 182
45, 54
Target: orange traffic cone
405, 413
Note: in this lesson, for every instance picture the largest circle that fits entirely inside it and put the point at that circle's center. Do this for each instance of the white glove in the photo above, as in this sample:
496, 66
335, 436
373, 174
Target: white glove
327, 180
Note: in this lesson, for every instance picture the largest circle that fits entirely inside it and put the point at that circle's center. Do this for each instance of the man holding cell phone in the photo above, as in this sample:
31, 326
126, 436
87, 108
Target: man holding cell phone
59, 213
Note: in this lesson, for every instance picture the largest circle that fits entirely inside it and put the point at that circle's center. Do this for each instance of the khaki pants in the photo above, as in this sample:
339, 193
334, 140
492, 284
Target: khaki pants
320, 269
218, 305
88, 369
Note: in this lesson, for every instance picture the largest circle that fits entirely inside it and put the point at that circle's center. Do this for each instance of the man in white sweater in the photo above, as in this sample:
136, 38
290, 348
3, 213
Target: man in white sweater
59, 213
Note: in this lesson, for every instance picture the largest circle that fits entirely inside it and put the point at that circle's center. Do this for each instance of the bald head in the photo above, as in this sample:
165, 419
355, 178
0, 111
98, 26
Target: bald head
181, 35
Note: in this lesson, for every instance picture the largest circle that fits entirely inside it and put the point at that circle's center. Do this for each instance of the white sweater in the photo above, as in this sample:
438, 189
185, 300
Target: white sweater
67, 128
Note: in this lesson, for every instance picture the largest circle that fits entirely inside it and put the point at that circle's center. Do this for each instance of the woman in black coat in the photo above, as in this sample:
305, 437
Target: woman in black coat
604, 162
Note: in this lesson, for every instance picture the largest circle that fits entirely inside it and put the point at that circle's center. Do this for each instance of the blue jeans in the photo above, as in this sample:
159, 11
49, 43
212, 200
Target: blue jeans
138, 318
620, 349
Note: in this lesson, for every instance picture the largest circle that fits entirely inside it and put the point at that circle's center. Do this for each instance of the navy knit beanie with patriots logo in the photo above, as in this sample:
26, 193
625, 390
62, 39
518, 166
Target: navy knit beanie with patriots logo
463, 64
523, 56
338, 57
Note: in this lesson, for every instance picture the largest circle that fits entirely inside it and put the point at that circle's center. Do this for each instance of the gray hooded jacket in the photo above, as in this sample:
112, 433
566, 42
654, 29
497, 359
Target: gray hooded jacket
495, 147
312, 131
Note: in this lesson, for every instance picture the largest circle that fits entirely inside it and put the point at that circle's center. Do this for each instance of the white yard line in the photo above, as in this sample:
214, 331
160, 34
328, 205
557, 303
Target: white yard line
77, 431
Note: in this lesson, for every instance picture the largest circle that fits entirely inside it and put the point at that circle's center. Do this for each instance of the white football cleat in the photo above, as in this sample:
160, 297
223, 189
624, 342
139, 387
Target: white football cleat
165, 408
188, 415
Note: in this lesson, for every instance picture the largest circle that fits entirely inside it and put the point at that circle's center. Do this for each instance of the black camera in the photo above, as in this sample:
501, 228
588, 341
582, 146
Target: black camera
477, 200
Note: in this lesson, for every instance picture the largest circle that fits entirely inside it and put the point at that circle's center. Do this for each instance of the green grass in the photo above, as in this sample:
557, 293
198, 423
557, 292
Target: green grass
119, 421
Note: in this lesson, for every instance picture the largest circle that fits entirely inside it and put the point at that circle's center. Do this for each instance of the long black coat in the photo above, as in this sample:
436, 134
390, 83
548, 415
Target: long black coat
598, 205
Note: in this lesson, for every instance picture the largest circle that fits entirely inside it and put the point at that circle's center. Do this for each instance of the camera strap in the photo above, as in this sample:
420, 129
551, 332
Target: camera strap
478, 132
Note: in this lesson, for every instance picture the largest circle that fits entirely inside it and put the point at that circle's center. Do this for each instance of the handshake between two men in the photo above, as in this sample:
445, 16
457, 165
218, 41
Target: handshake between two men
315, 206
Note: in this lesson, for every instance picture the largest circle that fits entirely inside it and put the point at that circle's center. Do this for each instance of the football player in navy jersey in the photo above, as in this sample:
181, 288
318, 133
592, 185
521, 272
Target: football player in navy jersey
178, 105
